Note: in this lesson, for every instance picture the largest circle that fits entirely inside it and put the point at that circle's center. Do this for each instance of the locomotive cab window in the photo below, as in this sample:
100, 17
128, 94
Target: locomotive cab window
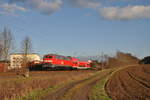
48, 57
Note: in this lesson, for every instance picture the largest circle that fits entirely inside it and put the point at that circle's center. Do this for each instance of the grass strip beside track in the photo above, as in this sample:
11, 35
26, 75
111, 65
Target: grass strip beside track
98, 91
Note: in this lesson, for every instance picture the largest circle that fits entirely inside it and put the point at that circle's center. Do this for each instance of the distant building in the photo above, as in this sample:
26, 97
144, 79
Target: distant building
17, 59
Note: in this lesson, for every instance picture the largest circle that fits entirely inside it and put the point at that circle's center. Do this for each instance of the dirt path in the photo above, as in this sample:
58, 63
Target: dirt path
84, 92
79, 90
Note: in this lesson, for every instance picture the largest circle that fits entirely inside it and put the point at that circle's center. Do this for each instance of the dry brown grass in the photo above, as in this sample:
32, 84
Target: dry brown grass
12, 85
122, 59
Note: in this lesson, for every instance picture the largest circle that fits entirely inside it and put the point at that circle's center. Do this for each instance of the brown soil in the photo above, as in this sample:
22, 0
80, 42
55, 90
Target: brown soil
81, 93
132, 83
84, 92
60, 92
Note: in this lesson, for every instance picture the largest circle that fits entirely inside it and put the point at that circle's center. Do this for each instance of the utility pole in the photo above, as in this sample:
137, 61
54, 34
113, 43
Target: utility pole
102, 60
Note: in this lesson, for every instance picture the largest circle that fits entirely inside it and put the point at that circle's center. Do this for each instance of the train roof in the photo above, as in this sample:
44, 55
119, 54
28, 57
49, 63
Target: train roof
54, 55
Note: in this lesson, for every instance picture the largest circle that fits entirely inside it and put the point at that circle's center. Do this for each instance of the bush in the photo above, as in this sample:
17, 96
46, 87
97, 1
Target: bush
145, 60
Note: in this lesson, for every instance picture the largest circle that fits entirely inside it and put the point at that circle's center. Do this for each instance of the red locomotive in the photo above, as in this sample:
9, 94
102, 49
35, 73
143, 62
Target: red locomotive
53, 61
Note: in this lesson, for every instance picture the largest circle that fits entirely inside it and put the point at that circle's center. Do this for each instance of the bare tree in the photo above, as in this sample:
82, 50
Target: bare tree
26, 46
26, 50
6, 40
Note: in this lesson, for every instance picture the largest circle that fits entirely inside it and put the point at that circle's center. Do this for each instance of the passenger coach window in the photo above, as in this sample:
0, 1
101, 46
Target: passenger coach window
66, 58
57, 57
61, 58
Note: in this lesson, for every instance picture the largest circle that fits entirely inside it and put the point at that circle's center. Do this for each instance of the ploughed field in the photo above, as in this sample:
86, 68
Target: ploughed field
132, 83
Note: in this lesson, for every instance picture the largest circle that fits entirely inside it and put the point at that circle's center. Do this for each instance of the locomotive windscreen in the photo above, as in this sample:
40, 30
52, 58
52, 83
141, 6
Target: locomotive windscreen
48, 56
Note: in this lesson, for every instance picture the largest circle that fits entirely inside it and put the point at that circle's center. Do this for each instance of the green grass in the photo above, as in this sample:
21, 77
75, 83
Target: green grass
36, 94
98, 91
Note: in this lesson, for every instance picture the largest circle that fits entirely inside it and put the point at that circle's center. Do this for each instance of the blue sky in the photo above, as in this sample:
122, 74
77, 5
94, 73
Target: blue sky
80, 27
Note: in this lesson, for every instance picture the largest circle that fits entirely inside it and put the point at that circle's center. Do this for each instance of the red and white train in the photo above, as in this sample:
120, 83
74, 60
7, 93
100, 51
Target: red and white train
53, 61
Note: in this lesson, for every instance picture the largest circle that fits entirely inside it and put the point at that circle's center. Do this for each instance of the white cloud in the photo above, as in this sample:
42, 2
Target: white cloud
85, 3
125, 13
48, 7
44, 7
10, 8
